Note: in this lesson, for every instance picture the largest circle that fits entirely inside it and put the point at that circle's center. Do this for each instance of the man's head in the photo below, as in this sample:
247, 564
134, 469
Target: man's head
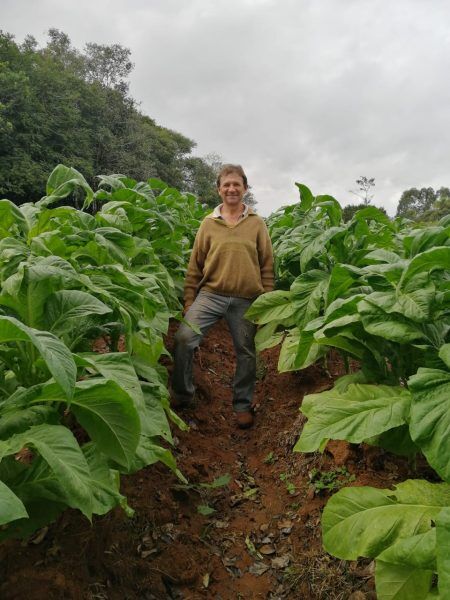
232, 185
232, 170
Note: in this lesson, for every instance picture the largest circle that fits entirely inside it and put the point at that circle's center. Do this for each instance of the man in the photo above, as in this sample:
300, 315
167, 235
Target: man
230, 265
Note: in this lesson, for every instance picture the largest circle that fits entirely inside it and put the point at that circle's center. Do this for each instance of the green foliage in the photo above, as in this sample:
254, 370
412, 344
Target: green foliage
61, 105
361, 412
377, 291
425, 205
330, 481
71, 419
290, 487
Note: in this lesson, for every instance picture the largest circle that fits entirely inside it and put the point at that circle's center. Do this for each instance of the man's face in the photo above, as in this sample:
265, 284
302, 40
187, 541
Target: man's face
231, 189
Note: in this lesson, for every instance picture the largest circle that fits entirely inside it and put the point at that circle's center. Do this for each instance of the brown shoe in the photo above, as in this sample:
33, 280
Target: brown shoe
244, 420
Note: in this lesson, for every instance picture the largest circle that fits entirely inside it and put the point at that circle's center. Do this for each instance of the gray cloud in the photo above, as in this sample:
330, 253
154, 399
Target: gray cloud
316, 91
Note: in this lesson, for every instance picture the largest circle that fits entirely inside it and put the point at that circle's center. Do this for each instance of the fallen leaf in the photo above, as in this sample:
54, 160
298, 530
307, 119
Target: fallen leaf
205, 580
280, 562
236, 499
221, 524
264, 527
258, 568
267, 549
284, 524
251, 492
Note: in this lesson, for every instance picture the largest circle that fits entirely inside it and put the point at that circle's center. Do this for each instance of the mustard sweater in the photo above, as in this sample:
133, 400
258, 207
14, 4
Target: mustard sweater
231, 260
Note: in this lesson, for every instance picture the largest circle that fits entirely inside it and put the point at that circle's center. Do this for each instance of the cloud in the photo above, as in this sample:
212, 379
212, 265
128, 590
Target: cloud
316, 91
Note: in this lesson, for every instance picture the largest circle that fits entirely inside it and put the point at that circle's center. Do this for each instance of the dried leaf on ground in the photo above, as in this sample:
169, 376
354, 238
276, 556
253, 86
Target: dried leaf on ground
258, 568
221, 524
267, 549
280, 562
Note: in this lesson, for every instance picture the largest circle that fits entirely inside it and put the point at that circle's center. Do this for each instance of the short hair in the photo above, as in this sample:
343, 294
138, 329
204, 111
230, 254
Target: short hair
228, 169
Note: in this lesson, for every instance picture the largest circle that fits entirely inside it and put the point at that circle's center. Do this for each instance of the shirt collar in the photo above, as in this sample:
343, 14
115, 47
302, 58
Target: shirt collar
217, 213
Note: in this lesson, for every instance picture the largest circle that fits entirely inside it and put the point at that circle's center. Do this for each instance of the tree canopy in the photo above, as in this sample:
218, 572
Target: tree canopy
425, 204
62, 105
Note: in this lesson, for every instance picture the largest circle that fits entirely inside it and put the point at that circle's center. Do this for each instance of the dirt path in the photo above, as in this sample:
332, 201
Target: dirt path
261, 541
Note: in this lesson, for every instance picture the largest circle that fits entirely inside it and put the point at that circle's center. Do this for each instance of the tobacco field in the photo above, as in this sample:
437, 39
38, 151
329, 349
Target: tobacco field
107, 492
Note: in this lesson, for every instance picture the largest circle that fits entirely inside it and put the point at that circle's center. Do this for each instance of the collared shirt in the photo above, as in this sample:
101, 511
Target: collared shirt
218, 214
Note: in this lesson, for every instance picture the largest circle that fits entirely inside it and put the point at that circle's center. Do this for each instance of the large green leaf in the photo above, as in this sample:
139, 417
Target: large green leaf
413, 304
62, 182
307, 293
342, 307
364, 521
443, 551
331, 207
399, 582
65, 306
430, 260
430, 417
372, 213
267, 336
306, 197
417, 551
298, 351
317, 245
60, 450
342, 278
382, 255
360, 412
27, 289
56, 355
272, 306
444, 354
397, 440
392, 327
150, 452
117, 367
154, 419
18, 420
107, 412
11, 507
11, 215
105, 483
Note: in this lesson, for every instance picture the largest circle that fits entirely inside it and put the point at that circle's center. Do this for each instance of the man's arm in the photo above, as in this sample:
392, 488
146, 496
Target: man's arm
194, 272
265, 257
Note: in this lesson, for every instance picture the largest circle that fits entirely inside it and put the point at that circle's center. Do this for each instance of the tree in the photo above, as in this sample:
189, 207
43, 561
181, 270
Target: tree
440, 208
415, 203
60, 105
364, 186
109, 65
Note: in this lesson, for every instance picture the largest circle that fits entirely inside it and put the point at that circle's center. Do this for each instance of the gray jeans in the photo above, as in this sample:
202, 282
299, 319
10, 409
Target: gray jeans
204, 312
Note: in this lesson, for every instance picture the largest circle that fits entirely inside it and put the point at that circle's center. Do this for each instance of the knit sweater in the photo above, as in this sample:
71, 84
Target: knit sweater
231, 260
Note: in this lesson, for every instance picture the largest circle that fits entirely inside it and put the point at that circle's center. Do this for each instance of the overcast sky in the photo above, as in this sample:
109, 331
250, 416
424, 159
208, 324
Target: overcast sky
315, 91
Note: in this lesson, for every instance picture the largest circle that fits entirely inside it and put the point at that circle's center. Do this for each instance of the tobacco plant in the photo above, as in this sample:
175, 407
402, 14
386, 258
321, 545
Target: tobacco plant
377, 291
72, 420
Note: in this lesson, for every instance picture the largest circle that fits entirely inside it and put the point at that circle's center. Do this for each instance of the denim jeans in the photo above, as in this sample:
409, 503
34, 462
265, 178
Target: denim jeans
204, 312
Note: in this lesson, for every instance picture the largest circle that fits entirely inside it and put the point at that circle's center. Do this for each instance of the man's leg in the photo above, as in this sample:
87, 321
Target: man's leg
243, 334
204, 312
